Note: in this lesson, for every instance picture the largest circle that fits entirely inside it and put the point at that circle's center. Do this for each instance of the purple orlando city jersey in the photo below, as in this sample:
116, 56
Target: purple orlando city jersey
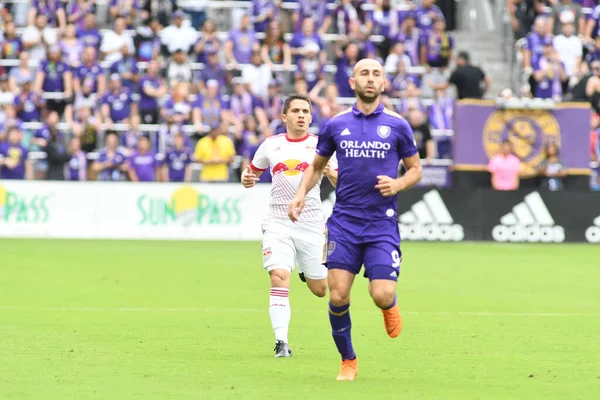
144, 166
363, 227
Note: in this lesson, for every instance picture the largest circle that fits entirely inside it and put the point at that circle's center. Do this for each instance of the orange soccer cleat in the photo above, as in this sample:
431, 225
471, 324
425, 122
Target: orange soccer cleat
348, 370
393, 321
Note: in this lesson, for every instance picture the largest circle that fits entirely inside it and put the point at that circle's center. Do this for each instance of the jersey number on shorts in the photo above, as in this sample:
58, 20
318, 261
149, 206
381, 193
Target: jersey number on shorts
396, 258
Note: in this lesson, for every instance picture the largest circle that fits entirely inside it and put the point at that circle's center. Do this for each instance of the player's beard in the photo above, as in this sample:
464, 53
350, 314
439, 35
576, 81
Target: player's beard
364, 97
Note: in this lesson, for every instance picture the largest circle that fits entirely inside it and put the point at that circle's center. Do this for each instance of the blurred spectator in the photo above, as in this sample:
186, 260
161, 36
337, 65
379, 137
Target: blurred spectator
213, 70
243, 104
20, 73
57, 156
143, 164
592, 26
111, 164
522, 14
76, 168
117, 103
179, 69
398, 54
13, 157
177, 163
195, 9
178, 36
310, 67
28, 104
43, 135
241, 44
126, 68
263, 12
316, 10
505, 169
11, 46
215, 151
422, 135
130, 138
552, 169
89, 34
71, 47
36, 37
569, 48
383, 21
305, 36
326, 105
147, 40
567, 12
344, 15
54, 76
470, 81
152, 87
208, 41
127, 9
8, 121
89, 74
410, 100
440, 117
346, 60
86, 127
427, 14
114, 40
257, 75
178, 109
400, 79
273, 104
549, 74
436, 46
274, 49
159, 9
214, 107
409, 35
78, 10
50, 8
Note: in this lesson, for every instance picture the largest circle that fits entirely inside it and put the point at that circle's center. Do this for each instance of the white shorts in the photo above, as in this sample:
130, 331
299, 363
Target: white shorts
286, 244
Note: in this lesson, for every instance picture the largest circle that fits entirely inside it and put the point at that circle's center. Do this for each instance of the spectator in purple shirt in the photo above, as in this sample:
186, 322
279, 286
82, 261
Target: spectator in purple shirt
315, 9
77, 10
213, 70
127, 9
13, 157
345, 13
89, 72
549, 74
177, 162
178, 109
76, 167
11, 46
53, 9
383, 21
310, 67
117, 104
54, 76
130, 138
151, 88
28, 104
213, 106
409, 35
208, 41
89, 34
111, 164
427, 14
44, 134
436, 46
346, 60
143, 164
241, 43
71, 47
304, 37
263, 13
127, 69
243, 104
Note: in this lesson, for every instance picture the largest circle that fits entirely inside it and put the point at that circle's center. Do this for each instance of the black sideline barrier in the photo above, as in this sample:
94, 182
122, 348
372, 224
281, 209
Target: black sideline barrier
522, 216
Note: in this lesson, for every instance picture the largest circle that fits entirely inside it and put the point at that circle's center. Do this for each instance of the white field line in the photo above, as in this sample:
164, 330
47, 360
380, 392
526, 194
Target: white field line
262, 310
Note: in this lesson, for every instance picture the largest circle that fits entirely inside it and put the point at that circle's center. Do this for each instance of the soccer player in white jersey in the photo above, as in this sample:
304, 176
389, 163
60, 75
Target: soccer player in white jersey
286, 244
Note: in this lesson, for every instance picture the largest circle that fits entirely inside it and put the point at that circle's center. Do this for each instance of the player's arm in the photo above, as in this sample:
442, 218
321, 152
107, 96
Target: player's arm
390, 186
259, 164
331, 174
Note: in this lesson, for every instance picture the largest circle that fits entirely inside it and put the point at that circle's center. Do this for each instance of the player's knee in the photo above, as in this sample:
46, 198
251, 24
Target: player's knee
383, 297
338, 297
318, 288
280, 278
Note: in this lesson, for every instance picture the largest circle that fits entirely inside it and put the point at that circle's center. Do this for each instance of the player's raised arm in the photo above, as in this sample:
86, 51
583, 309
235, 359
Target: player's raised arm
259, 164
311, 176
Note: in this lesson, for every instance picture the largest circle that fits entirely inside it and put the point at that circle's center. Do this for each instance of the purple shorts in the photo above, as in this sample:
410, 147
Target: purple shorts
350, 246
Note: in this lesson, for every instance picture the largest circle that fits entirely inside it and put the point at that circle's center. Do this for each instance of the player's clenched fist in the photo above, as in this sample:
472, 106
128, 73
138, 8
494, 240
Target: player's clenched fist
387, 186
296, 207
249, 179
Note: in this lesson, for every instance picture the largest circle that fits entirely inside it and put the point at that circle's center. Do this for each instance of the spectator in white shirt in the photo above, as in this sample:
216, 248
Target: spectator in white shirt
113, 41
569, 48
179, 69
397, 54
36, 38
178, 35
257, 75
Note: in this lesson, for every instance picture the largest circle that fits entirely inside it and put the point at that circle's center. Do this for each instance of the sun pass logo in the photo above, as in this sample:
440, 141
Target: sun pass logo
592, 234
429, 219
529, 221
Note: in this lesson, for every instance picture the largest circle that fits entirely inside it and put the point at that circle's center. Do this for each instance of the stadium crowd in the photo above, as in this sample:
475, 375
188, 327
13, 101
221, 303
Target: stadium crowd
559, 41
162, 87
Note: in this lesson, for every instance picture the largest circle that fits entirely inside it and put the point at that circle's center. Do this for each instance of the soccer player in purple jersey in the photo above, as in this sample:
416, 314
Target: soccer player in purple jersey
369, 142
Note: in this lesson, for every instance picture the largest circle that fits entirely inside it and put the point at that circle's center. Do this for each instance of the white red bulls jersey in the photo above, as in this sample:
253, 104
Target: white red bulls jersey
288, 159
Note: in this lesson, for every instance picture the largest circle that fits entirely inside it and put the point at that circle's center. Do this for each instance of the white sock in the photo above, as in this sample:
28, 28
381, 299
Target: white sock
279, 310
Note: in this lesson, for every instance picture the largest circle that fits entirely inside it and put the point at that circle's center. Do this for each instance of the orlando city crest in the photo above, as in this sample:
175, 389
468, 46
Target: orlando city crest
383, 131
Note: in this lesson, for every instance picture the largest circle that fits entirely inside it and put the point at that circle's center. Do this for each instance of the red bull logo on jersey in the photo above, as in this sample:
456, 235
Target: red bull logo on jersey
290, 167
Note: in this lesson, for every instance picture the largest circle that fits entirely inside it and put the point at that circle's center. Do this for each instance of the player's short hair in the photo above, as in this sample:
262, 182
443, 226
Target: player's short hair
296, 96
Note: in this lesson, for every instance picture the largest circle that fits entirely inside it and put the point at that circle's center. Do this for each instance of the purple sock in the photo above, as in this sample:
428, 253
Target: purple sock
393, 303
339, 317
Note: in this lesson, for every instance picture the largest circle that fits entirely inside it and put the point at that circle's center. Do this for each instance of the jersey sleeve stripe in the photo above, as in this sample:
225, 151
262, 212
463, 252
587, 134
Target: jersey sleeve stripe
255, 168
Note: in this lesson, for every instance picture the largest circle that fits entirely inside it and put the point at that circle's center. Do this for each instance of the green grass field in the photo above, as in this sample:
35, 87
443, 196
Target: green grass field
189, 320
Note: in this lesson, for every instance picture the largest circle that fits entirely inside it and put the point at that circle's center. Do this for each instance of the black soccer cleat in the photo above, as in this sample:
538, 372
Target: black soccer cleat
282, 349
302, 278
